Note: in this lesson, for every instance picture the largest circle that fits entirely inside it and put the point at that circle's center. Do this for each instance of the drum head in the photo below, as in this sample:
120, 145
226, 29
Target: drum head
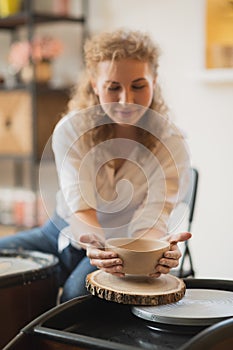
199, 307
22, 267
9, 266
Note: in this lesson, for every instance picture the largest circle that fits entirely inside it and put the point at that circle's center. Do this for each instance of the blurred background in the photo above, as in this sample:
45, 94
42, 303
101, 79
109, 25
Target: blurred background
196, 76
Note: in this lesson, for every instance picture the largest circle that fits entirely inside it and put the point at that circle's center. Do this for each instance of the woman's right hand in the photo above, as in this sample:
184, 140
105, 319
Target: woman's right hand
105, 260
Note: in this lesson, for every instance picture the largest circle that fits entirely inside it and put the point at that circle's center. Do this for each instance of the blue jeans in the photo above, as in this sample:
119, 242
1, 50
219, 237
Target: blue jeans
73, 265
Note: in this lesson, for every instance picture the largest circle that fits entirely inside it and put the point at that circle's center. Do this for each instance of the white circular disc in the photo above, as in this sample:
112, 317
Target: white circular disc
198, 307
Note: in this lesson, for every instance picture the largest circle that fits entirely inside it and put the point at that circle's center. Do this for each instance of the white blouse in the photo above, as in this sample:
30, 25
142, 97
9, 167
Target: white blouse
139, 196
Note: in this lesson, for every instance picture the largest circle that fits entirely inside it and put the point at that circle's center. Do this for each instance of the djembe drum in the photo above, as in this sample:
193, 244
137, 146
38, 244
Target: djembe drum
27, 289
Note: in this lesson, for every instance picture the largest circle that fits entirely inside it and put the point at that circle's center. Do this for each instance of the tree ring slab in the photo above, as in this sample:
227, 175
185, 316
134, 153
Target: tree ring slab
136, 290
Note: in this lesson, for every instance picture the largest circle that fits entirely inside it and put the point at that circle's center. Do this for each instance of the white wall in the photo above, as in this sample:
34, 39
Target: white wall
203, 110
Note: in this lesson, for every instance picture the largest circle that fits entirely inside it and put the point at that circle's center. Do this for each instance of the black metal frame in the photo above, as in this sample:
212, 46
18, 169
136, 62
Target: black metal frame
217, 336
70, 324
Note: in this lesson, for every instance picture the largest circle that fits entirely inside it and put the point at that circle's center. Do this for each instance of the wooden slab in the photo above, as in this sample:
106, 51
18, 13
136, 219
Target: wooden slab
136, 290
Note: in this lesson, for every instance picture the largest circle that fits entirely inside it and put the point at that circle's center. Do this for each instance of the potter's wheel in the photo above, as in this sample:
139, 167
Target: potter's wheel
199, 307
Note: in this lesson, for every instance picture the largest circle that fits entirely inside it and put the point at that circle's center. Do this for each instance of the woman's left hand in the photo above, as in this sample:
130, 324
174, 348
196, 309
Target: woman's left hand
171, 257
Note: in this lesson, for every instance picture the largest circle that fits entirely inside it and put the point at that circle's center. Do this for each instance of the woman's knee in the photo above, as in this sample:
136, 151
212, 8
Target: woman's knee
20, 240
32, 239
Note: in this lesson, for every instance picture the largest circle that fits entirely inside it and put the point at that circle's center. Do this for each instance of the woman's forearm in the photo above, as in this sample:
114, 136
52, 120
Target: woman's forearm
85, 222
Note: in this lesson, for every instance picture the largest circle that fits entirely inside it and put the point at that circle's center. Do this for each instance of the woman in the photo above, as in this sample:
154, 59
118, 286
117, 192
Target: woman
122, 166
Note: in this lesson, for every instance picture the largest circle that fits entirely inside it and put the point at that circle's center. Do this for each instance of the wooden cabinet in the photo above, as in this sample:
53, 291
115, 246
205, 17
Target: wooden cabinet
16, 122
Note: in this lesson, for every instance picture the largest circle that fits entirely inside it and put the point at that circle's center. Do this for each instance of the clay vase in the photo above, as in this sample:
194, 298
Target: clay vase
139, 255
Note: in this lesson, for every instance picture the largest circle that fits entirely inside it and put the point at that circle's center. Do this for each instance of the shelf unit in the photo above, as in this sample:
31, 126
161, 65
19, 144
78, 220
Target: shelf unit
45, 104
30, 17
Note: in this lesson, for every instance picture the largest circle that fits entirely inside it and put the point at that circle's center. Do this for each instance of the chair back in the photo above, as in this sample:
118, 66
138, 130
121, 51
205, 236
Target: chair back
190, 198
186, 206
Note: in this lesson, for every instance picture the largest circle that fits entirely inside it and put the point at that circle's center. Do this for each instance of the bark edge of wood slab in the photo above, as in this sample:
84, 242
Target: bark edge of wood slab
136, 290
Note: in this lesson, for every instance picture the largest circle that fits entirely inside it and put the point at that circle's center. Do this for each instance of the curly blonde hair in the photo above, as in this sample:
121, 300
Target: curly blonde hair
116, 45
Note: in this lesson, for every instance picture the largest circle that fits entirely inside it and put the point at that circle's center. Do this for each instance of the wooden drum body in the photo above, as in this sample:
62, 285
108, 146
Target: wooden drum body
27, 289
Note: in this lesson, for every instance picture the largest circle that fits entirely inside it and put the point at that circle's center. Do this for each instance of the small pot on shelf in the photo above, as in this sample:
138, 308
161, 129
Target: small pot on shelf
43, 72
